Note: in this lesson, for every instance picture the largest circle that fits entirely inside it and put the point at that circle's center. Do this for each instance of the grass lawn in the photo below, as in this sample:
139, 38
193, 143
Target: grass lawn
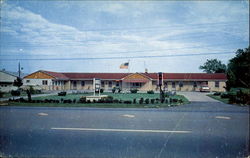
224, 100
127, 96
111, 105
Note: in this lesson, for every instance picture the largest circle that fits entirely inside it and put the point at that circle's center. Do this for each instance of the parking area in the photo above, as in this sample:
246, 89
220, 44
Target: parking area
197, 96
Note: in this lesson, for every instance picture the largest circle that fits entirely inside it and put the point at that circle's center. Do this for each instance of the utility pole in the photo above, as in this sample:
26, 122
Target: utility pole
19, 70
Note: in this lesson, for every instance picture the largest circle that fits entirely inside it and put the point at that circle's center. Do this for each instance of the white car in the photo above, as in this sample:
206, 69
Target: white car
204, 89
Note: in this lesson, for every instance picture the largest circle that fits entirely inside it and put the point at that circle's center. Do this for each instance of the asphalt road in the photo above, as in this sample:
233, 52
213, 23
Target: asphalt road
199, 129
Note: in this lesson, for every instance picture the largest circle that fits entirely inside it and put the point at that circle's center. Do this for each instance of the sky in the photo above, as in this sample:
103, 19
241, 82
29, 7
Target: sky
98, 36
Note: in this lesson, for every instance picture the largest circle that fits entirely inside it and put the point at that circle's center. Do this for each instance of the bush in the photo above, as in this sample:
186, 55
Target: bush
15, 93
113, 90
147, 101
242, 96
62, 93
109, 99
127, 102
224, 95
1, 94
101, 90
115, 101
152, 101
174, 100
150, 92
217, 93
141, 101
167, 94
81, 100
162, 101
134, 101
134, 90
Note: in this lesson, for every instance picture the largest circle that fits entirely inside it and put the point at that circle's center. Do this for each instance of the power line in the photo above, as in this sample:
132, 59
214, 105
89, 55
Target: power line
124, 57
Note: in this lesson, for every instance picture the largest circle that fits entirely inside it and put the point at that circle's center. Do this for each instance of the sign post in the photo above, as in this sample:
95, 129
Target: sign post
160, 83
96, 85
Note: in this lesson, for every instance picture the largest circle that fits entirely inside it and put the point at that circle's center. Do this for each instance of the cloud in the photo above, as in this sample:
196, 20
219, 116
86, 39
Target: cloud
153, 31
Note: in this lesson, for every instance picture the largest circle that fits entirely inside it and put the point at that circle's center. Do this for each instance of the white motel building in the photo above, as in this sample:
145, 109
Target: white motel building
48, 80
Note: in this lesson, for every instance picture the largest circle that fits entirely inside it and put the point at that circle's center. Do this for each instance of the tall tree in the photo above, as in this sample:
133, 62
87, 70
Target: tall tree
213, 66
238, 72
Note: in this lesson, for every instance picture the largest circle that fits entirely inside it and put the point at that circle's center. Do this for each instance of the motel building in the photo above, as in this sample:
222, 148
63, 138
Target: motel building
48, 80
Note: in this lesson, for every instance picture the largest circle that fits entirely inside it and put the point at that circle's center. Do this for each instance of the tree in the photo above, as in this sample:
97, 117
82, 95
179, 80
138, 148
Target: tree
18, 82
238, 72
213, 66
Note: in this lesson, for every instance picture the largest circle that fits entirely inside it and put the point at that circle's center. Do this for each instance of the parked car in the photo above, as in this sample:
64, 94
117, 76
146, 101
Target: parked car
204, 89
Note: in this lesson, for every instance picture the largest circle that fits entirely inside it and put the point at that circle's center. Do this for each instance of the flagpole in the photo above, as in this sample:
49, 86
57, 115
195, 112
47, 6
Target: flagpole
129, 74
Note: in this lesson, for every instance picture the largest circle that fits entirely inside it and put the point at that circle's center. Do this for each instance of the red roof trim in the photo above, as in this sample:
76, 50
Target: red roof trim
120, 76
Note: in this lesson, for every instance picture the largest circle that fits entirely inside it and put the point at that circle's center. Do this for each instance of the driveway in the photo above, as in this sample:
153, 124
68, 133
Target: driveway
197, 96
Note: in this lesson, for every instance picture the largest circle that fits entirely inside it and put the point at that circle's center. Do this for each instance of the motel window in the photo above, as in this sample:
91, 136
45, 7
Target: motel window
83, 83
180, 84
74, 83
217, 84
27, 81
102, 83
45, 82
136, 84
194, 84
117, 84
110, 84
173, 84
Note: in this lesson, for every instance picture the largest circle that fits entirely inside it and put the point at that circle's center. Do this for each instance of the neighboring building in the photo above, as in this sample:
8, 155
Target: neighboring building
48, 80
6, 81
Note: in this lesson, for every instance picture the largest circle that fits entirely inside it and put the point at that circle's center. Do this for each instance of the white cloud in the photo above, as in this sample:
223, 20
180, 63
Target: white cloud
47, 38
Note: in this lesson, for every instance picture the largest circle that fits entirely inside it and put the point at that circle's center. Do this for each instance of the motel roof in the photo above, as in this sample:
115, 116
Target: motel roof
120, 76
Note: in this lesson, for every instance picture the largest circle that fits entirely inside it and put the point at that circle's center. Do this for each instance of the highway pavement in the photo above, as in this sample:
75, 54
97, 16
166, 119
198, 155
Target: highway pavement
196, 130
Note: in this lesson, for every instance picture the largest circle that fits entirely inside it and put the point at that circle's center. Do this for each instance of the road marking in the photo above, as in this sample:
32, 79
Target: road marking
42, 114
128, 115
120, 130
223, 117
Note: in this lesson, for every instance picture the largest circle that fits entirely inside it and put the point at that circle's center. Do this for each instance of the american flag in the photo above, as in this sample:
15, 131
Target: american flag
124, 65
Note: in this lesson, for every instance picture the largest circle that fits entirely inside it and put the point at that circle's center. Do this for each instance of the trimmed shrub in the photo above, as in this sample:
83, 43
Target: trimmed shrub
141, 101
1, 94
150, 92
62, 93
15, 93
127, 102
134, 90
101, 90
175, 100
134, 101
115, 101
167, 94
163, 100
113, 90
224, 95
152, 101
147, 101
82, 100
217, 93
157, 100
109, 99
